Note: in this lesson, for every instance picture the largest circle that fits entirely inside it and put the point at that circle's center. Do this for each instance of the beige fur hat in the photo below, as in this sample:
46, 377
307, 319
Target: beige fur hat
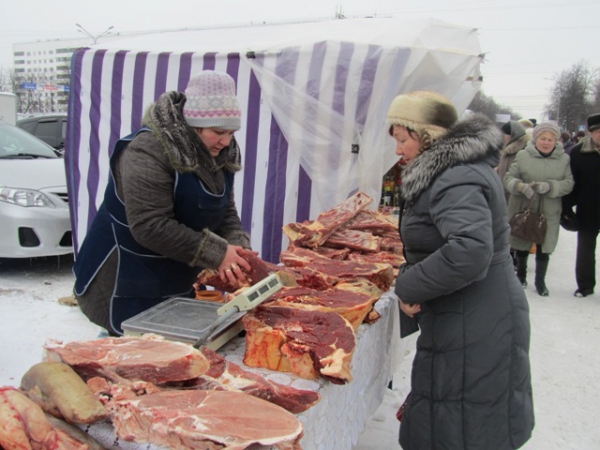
423, 111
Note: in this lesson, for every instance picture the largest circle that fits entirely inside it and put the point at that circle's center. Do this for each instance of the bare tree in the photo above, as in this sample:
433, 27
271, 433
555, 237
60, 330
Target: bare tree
487, 106
571, 97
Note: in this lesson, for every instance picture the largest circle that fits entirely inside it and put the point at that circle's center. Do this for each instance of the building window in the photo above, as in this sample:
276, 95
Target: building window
19, 53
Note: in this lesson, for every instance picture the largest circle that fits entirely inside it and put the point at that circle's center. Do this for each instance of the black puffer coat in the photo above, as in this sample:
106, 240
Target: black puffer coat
471, 382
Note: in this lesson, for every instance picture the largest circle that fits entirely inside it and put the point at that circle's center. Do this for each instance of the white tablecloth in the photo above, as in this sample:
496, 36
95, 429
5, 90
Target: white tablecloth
339, 418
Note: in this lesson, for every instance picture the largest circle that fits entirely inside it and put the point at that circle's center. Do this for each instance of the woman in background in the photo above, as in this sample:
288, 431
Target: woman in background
543, 169
471, 382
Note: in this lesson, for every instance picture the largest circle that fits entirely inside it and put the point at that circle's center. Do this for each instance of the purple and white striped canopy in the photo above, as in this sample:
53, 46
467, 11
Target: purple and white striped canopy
314, 98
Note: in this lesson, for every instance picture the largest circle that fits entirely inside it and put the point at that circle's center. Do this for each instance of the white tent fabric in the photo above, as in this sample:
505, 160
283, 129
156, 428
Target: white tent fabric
314, 98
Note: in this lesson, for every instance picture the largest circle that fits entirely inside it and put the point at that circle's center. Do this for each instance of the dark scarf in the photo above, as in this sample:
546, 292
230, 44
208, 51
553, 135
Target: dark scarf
468, 141
185, 150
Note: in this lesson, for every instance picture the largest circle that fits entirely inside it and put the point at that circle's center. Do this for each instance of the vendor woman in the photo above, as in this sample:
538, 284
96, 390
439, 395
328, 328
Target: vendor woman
168, 211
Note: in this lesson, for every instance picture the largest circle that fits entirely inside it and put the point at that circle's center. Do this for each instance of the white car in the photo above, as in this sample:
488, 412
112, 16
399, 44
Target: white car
34, 208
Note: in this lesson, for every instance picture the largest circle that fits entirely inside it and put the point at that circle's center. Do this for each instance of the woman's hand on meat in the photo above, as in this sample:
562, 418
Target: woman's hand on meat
410, 309
232, 265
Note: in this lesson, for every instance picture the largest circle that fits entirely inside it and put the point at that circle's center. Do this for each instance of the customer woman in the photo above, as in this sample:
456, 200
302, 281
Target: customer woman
168, 210
542, 168
471, 384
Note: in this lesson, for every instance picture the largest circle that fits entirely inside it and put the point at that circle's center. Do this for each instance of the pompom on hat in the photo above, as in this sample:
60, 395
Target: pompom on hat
423, 111
211, 102
593, 122
545, 126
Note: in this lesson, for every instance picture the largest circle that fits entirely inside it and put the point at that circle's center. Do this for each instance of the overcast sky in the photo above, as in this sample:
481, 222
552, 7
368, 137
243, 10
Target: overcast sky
527, 42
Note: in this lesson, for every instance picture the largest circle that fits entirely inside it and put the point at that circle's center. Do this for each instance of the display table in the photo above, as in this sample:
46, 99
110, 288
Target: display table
339, 418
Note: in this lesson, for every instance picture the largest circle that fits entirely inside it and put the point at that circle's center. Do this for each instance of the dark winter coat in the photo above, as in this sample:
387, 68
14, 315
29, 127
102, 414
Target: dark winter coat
145, 175
471, 383
530, 166
585, 166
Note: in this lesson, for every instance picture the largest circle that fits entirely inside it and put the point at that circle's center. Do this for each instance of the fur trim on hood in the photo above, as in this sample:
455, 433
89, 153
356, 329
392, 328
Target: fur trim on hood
186, 152
517, 145
474, 139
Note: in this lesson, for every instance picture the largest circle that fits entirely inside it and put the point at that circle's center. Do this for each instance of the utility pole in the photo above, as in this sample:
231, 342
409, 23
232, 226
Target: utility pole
90, 35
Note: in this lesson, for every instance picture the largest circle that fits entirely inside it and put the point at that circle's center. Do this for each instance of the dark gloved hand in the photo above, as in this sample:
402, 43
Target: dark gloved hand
541, 187
525, 189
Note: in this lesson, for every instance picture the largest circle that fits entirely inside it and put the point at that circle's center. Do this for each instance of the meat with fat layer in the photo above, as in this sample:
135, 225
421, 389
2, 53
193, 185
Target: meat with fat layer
147, 358
352, 300
198, 419
226, 375
309, 344
23, 425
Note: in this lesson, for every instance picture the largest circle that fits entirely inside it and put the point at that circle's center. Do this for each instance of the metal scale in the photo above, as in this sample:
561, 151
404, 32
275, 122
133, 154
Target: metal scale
198, 322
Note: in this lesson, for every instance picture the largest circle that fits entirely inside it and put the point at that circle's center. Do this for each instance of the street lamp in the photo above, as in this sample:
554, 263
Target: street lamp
94, 38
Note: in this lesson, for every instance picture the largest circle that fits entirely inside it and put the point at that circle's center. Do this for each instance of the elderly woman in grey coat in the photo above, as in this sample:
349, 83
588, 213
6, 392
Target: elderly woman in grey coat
471, 382
542, 169
168, 210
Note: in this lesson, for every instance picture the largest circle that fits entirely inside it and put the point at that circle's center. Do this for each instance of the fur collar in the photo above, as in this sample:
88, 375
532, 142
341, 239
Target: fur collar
474, 139
185, 150
513, 147
588, 146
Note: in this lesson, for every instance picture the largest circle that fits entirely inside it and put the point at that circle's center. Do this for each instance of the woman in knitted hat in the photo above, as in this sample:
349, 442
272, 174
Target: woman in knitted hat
168, 210
471, 383
542, 169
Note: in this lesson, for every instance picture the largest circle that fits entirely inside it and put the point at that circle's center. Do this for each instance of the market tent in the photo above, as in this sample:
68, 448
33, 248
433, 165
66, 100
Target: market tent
314, 98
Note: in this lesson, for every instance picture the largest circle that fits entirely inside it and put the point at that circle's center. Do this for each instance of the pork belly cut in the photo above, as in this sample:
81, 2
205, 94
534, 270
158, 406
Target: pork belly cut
315, 233
352, 300
198, 419
228, 376
307, 343
23, 425
353, 239
147, 358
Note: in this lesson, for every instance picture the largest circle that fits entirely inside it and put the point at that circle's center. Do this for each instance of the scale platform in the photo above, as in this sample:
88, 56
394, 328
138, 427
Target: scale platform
185, 319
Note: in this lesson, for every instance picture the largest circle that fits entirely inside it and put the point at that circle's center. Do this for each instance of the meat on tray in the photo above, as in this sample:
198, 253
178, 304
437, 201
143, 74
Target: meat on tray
315, 233
309, 344
23, 425
198, 419
352, 300
148, 358
225, 375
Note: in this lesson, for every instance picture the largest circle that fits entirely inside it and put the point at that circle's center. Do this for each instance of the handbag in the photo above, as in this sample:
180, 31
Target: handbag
569, 222
529, 225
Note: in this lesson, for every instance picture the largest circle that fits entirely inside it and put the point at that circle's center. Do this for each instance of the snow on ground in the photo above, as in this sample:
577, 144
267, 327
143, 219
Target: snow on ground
565, 331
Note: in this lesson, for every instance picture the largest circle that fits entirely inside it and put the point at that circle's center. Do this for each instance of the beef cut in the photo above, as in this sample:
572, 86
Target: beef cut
314, 234
148, 358
373, 222
23, 425
227, 376
353, 239
309, 344
320, 272
352, 300
205, 420
260, 270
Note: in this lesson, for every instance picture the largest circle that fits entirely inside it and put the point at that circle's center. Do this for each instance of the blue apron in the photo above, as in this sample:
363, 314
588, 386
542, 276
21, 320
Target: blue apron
145, 278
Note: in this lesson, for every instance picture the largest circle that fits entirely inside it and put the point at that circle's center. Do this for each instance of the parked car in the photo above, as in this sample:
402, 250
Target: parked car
50, 128
34, 209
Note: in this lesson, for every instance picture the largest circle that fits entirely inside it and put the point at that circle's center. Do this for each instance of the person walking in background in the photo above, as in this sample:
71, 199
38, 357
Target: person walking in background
515, 140
585, 165
542, 169
528, 125
168, 210
567, 142
471, 381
